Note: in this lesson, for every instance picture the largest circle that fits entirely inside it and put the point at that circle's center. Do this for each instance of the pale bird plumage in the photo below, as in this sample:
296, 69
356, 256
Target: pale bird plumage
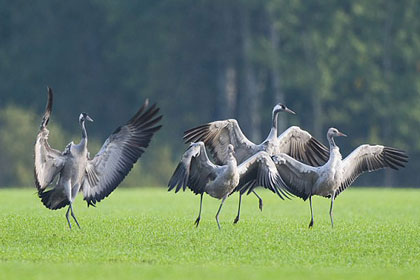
200, 175
96, 177
332, 178
295, 142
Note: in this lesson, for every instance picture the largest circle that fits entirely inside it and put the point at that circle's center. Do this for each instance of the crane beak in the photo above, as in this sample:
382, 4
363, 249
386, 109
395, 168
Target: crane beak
89, 119
289, 111
341, 134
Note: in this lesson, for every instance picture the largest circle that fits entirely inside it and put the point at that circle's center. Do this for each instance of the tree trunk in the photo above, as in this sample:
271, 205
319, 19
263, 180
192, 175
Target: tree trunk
389, 178
316, 101
227, 93
227, 74
250, 87
275, 75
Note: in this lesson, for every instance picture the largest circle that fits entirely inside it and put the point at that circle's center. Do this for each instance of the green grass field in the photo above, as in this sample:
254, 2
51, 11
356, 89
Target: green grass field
149, 233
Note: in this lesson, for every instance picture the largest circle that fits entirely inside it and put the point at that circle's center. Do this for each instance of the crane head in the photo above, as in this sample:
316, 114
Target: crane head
282, 108
231, 149
334, 132
84, 117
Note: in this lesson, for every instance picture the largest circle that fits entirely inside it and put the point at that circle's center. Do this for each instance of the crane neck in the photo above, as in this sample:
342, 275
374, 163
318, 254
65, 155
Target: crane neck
332, 143
84, 131
273, 131
335, 155
231, 162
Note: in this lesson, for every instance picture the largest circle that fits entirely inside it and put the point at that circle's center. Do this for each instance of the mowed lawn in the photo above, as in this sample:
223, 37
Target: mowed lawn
149, 233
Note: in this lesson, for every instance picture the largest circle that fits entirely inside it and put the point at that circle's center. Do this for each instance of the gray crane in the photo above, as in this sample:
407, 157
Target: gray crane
332, 178
294, 141
198, 173
96, 177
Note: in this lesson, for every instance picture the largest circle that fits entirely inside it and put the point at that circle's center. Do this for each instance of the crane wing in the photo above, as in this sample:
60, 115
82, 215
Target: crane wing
119, 153
298, 177
218, 135
48, 161
300, 145
194, 171
260, 170
367, 158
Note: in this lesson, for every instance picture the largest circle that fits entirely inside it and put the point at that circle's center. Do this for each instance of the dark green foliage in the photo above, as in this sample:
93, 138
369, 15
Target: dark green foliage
350, 64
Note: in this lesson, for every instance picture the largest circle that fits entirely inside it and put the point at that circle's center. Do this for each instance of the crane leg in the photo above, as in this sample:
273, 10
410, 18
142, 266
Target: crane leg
331, 210
239, 209
67, 216
311, 224
260, 201
67, 191
72, 214
197, 221
218, 212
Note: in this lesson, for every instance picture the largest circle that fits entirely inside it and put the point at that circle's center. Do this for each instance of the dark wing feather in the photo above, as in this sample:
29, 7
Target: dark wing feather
119, 153
300, 145
48, 162
194, 171
260, 170
368, 158
218, 135
48, 108
54, 198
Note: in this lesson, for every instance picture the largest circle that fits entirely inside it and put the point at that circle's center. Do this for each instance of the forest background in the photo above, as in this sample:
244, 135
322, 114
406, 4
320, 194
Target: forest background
354, 65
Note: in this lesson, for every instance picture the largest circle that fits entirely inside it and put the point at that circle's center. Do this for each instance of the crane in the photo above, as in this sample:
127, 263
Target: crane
332, 178
96, 178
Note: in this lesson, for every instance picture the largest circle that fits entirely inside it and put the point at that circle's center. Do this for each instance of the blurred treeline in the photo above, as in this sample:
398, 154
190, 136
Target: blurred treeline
354, 65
